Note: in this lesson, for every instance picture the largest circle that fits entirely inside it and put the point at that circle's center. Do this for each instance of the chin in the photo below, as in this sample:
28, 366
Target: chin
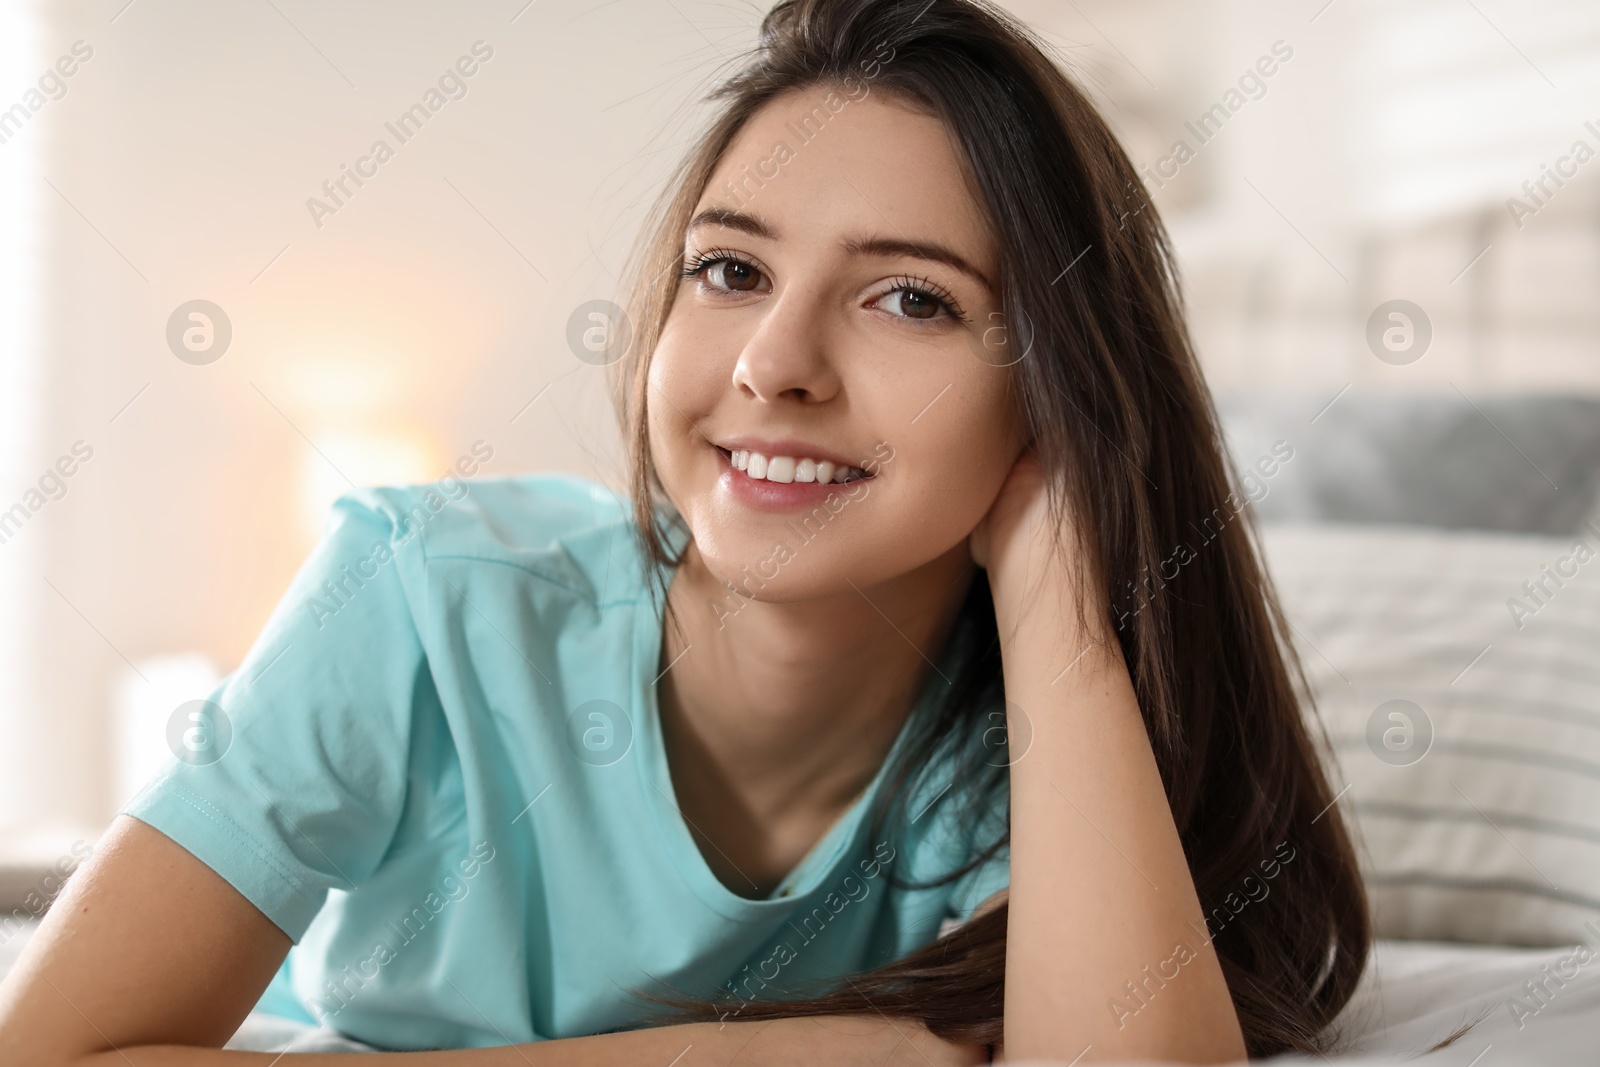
768, 558
780, 566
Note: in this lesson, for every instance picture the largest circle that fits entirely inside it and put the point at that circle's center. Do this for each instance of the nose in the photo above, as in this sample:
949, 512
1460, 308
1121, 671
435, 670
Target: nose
788, 355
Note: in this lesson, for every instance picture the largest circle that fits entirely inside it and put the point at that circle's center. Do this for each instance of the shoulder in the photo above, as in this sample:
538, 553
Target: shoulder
562, 529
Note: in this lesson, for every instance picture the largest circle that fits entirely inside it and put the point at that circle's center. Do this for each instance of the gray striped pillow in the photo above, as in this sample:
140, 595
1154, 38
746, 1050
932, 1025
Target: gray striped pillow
1457, 674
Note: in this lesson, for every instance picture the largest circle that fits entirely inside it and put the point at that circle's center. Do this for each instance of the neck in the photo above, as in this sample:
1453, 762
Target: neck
792, 707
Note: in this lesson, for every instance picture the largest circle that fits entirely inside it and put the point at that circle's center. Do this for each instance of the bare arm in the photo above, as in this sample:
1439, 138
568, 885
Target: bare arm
150, 958
1101, 893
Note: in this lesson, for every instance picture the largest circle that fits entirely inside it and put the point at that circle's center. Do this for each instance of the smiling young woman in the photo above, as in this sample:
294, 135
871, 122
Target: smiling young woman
963, 264
849, 756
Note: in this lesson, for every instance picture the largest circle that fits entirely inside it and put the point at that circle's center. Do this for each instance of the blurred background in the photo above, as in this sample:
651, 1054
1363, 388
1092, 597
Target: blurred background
159, 153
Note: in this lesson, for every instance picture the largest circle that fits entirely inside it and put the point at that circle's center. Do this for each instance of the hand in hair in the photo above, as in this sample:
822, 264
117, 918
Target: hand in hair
1013, 537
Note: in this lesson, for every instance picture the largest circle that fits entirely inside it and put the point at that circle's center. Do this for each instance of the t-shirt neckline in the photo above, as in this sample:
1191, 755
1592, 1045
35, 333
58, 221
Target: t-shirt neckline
655, 782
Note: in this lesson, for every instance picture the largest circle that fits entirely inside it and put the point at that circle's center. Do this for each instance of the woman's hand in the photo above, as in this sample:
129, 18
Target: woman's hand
1016, 542
1019, 505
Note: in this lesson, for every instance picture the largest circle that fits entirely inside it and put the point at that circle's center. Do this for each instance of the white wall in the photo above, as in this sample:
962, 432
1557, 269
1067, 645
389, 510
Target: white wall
21, 392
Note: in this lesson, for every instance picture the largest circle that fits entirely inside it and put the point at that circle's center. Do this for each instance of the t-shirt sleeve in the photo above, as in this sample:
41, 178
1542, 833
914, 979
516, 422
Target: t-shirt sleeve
289, 777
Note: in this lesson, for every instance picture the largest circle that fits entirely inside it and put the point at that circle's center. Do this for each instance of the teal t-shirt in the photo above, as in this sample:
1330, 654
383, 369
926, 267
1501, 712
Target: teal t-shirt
439, 770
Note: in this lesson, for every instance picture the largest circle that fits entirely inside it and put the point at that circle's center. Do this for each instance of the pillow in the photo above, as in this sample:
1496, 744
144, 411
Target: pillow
1524, 463
1457, 674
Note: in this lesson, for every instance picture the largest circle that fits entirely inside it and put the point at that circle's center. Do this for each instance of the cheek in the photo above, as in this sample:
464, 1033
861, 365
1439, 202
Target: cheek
685, 384
955, 465
681, 390
951, 456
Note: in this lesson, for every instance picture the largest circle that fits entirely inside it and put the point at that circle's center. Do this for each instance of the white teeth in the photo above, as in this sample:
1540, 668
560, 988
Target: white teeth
780, 469
786, 469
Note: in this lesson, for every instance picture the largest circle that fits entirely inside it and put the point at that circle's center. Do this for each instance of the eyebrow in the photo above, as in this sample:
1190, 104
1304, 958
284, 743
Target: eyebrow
863, 245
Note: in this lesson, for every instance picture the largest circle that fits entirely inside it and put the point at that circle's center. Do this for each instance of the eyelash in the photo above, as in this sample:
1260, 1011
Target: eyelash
923, 287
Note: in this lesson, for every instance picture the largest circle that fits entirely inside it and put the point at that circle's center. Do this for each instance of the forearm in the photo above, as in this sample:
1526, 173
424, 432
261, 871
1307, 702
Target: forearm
776, 1043
1101, 896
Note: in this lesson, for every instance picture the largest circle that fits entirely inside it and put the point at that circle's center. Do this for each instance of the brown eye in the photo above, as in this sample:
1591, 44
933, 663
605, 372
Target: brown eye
722, 271
917, 300
915, 305
736, 276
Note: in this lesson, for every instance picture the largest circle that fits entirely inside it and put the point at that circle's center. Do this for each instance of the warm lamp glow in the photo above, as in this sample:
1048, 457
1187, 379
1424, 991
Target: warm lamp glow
364, 458
336, 385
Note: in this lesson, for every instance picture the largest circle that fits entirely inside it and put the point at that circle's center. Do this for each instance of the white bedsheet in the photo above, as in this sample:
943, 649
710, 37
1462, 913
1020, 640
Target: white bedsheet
1414, 994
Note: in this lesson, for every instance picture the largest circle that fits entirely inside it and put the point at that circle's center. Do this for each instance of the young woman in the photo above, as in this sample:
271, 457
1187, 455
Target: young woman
928, 703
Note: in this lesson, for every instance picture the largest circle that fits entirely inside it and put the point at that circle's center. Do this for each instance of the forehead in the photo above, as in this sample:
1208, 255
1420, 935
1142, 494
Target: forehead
820, 170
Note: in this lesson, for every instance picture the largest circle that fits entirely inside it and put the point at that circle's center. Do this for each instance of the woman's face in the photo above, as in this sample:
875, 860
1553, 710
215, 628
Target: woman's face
836, 322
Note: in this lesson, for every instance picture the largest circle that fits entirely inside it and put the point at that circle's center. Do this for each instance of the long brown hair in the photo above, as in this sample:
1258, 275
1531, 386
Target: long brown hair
1125, 428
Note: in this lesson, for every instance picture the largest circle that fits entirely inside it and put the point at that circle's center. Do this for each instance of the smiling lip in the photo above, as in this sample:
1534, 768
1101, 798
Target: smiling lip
764, 495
